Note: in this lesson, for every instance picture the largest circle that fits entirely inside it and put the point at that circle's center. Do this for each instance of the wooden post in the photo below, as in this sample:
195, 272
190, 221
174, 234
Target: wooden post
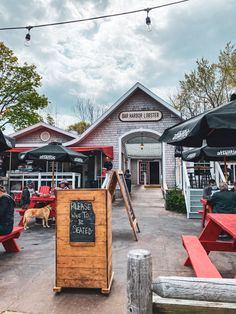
139, 282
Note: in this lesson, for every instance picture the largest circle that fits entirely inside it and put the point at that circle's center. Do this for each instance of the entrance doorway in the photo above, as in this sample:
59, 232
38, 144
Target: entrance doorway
154, 172
150, 169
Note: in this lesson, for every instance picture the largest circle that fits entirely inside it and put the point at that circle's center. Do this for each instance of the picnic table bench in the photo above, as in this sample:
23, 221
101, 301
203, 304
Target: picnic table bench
8, 240
198, 258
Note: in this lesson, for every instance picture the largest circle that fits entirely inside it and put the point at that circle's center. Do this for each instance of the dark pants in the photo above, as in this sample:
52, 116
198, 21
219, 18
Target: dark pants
128, 183
5, 230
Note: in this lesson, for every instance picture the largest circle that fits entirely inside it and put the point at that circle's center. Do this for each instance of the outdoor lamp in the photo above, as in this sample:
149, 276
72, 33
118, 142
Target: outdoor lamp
28, 37
141, 144
148, 22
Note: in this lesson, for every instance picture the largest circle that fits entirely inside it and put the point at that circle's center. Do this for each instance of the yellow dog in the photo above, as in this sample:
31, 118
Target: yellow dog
42, 213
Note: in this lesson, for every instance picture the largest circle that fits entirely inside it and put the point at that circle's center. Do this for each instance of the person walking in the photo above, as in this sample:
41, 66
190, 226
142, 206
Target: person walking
127, 176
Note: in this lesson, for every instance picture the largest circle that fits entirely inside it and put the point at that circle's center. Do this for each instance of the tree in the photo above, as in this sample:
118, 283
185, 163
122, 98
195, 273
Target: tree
79, 127
50, 120
19, 100
86, 110
208, 86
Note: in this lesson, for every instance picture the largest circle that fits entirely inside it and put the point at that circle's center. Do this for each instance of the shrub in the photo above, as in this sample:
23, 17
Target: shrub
175, 201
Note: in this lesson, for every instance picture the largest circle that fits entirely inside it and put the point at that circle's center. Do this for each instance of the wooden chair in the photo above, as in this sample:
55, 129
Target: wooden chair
17, 197
8, 240
44, 189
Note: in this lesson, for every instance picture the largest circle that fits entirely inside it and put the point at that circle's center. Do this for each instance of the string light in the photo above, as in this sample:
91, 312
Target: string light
28, 36
148, 20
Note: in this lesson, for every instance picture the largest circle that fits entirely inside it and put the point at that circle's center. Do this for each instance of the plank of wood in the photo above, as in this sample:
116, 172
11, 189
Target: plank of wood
78, 283
83, 274
200, 261
64, 249
82, 262
175, 306
191, 288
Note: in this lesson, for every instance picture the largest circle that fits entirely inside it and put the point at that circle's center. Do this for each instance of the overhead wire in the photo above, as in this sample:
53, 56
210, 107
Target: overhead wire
29, 27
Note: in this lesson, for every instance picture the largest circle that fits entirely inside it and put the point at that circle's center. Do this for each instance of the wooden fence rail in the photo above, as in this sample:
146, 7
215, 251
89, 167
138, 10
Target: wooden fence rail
176, 295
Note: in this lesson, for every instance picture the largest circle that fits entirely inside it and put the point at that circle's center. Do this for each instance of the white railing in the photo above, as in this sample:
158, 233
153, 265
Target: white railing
106, 180
178, 173
186, 187
219, 175
17, 180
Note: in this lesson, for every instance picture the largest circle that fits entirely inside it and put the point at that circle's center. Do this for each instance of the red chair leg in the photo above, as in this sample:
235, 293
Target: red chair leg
11, 246
21, 222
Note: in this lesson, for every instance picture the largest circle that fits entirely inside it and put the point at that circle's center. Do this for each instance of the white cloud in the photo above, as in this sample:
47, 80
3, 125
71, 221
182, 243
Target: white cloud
102, 59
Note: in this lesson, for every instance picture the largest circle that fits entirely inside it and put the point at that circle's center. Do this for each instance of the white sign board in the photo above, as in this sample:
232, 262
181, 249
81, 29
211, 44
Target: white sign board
134, 116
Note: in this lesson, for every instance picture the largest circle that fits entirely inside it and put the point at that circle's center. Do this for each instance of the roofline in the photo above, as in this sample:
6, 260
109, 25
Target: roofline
32, 127
117, 104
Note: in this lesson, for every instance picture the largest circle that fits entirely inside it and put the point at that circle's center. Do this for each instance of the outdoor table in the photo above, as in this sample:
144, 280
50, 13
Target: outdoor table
218, 223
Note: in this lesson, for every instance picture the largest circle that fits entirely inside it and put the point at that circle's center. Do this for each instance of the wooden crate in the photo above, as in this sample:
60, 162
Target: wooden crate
83, 264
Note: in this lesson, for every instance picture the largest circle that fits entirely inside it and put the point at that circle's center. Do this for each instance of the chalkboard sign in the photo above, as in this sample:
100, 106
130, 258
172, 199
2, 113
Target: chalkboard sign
82, 222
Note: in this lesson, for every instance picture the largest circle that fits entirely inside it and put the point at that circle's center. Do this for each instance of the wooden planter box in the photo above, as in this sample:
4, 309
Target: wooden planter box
83, 239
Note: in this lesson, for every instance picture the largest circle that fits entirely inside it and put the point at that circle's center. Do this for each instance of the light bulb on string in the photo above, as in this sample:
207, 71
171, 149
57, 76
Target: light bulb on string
28, 37
141, 144
148, 21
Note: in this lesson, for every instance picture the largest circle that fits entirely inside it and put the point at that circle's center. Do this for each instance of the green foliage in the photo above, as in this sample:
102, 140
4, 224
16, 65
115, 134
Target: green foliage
50, 120
19, 100
209, 85
79, 127
175, 201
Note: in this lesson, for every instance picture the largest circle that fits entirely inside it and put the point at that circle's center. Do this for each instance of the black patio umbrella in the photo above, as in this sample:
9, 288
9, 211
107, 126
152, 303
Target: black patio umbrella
207, 153
217, 126
6, 142
53, 152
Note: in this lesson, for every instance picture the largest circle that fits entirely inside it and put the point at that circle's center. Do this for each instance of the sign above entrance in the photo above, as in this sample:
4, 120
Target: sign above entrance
142, 116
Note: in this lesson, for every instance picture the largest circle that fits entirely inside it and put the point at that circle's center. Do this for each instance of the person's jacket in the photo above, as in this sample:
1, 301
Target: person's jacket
25, 198
223, 202
209, 191
7, 206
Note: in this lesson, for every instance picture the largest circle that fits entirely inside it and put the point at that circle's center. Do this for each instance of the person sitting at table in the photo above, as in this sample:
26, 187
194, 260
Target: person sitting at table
31, 189
210, 189
224, 201
7, 206
63, 185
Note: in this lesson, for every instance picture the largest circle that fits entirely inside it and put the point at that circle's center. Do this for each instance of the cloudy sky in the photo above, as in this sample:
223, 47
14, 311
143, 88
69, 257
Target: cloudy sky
100, 60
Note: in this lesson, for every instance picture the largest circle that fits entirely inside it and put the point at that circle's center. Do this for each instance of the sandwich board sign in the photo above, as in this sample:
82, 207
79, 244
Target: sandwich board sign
117, 176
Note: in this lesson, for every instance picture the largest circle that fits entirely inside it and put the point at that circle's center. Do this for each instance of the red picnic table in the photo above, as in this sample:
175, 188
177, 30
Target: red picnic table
206, 208
217, 223
199, 248
35, 200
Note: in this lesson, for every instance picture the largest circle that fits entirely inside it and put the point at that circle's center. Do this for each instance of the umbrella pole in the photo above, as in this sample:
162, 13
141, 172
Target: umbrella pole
53, 187
225, 169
